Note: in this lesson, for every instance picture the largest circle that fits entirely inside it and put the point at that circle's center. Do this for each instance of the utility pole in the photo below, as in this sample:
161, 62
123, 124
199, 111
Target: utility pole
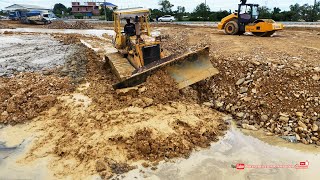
205, 3
105, 10
314, 18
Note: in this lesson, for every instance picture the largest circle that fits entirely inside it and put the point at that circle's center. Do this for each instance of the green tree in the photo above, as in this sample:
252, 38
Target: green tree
156, 13
276, 14
307, 13
165, 6
264, 12
295, 10
201, 12
60, 10
109, 13
317, 11
217, 16
2, 13
180, 12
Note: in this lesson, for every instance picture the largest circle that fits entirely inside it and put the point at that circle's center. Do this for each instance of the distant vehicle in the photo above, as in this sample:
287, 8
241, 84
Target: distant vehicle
36, 17
15, 15
32, 17
49, 17
166, 18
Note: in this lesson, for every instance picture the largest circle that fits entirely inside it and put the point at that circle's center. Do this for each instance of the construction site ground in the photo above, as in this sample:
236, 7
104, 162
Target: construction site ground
63, 119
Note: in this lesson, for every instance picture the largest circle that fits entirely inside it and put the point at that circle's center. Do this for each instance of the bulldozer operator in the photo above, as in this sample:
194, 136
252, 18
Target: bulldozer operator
129, 28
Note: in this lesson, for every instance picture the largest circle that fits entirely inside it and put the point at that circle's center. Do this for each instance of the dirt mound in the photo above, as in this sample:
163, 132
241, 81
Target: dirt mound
68, 38
75, 63
27, 95
143, 145
97, 129
5, 26
179, 43
58, 25
64, 25
84, 133
81, 25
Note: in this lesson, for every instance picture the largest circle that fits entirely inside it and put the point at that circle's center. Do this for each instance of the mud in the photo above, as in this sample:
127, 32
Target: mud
75, 63
219, 161
27, 95
69, 130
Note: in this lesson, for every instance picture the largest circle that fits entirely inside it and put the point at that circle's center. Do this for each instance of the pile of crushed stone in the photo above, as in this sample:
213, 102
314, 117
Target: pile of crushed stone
64, 25
283, 100
27, 95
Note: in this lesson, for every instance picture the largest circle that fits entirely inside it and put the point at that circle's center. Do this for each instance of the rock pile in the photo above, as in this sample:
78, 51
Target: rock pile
283, 100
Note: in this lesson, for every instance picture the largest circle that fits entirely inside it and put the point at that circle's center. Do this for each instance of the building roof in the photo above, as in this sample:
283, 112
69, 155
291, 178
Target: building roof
109, 4
24, 6
131, 12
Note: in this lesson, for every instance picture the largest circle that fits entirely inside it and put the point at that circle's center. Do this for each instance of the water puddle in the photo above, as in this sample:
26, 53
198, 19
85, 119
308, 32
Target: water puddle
14, 144
217, 162
220, 160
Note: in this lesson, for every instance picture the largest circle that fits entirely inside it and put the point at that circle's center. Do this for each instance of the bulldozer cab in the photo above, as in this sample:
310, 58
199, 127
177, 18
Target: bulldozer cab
140, 48
247, 13
135, 15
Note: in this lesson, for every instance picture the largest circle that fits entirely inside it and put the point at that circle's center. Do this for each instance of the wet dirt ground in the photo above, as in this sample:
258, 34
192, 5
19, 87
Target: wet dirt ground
219, 160
216, 162
59, 127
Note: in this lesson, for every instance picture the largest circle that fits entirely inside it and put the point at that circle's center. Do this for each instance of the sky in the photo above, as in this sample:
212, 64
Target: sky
188, 4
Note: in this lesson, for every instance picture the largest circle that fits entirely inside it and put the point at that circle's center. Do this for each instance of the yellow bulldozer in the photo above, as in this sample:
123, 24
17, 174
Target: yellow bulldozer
246, 19
140, 54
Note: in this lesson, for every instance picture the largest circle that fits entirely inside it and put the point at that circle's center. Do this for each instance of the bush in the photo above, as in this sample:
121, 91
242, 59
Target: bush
78, 16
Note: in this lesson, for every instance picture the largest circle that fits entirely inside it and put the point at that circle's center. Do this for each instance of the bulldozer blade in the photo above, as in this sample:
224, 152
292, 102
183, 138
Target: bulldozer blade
185, 70
195, 67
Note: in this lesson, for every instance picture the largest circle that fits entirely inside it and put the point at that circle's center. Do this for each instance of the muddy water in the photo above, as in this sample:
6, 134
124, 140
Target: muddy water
15, 142
217, 162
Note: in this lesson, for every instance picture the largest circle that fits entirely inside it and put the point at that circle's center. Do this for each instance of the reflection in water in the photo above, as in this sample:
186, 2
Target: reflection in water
219, 160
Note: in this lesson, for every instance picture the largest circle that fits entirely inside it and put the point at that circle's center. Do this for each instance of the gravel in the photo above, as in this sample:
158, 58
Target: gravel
29, 53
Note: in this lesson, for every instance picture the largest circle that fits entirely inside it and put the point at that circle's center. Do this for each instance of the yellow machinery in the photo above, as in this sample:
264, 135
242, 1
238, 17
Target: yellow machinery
140, 55
246, 20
